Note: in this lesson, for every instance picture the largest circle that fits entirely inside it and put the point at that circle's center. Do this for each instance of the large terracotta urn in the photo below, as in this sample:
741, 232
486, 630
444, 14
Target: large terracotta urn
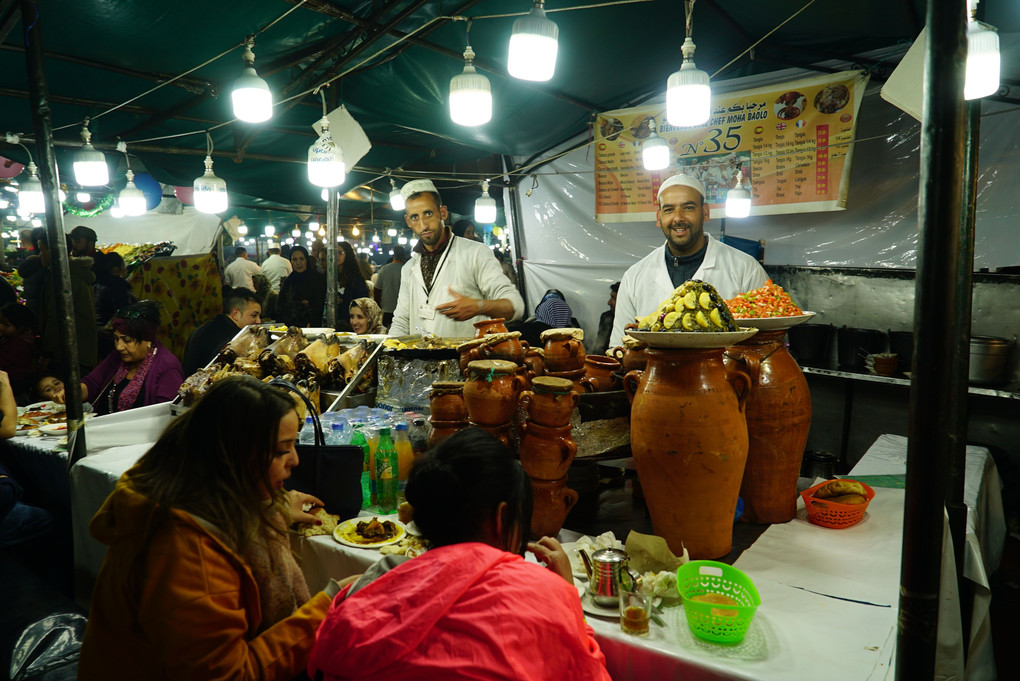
778, 415
689, 439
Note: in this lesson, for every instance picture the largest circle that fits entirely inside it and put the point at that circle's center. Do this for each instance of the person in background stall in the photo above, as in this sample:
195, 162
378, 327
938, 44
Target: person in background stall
471, 606
606, 322
350, 284
387, 284
553, 310
276, 268
504, 262
450, 282
112, 293
302, 293
199, 581
238, 274
141, 370
18, 345
321, 264
240, 308
366, 317
83, 242
689, 253
52, 355
465, 229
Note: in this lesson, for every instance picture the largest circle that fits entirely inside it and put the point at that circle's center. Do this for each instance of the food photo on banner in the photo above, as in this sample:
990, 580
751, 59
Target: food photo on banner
791, 141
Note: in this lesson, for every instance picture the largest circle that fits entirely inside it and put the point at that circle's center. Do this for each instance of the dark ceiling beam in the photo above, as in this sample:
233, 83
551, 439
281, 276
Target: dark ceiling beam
729, 21
9, 17
163, 115
325, 8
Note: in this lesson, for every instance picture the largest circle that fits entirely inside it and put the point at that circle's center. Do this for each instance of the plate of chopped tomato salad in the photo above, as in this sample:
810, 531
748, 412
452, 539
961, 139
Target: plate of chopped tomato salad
768, 308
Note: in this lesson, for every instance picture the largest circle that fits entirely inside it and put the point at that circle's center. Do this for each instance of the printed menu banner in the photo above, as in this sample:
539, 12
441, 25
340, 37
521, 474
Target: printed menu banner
791, 141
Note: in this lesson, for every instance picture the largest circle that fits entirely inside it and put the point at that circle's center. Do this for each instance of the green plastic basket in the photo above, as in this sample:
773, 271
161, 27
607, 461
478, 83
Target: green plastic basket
709, 621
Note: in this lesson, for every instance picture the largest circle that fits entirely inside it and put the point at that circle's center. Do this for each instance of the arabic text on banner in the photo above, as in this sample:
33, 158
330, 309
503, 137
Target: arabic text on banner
792, 141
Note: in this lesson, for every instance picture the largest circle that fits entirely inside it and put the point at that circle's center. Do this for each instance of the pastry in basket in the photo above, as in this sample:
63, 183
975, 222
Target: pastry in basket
329, 523
838, 488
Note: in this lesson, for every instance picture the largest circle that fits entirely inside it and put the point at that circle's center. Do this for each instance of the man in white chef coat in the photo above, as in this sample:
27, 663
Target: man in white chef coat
688, 253
450, 282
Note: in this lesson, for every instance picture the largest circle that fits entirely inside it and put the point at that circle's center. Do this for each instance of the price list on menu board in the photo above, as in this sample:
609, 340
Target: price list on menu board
792, 142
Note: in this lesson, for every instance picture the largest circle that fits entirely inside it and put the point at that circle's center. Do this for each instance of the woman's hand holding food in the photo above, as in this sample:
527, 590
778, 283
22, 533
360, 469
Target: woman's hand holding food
296, 501
549, 551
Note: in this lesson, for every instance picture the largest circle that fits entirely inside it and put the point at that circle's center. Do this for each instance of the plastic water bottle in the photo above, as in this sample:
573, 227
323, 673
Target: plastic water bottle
336, 436
418, 434
387, 471
358, 440
405, 456
307, 434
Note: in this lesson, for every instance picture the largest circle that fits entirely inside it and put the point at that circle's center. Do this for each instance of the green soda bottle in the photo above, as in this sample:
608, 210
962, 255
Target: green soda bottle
358, 440
387, 467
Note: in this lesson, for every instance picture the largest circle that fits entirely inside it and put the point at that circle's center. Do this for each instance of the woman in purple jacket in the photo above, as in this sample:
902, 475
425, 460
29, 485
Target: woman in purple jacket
139, 372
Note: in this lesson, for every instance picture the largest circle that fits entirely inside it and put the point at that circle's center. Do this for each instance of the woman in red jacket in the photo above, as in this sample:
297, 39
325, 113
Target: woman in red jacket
199, 581
470, 607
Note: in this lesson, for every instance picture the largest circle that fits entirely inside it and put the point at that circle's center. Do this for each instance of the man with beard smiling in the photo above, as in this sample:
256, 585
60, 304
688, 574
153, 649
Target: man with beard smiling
450, 282
689, 253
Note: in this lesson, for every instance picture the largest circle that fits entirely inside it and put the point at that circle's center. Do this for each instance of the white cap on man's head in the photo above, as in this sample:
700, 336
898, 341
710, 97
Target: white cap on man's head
272, 245
417, 187
685, 180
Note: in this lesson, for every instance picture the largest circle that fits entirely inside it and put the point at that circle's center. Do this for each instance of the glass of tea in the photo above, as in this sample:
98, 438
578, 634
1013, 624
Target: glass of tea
635, 609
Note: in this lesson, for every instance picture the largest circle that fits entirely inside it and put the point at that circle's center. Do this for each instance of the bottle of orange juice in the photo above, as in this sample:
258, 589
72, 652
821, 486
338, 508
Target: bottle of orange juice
405, 455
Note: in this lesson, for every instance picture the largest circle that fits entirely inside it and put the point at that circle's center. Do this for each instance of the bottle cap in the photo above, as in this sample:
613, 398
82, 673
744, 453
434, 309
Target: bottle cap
384, 430
401, 426
309, 419
337, 425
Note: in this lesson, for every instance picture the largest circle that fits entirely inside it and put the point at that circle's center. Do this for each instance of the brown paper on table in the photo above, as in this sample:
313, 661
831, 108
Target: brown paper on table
650, 553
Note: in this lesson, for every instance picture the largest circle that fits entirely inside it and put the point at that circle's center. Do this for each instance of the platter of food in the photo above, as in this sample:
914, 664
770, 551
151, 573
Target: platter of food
53, 429
369, 533
693, 339
317, 330
776, 323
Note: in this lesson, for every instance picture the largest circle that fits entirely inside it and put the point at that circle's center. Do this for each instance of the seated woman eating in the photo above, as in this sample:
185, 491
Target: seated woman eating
199, 581
471, 607
140, 371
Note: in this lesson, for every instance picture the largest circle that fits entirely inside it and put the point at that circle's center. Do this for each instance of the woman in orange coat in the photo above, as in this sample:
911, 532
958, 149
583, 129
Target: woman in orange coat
199, 581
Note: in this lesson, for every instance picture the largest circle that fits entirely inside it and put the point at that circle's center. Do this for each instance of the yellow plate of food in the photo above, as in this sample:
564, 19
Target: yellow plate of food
369, 533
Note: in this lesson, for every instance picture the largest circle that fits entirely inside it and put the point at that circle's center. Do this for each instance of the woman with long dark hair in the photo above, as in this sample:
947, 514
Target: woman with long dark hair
303, 293
199, 580
471, 606
350, 285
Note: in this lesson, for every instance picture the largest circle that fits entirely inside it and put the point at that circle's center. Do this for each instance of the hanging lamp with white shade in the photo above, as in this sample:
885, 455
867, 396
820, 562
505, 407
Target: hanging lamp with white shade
131, 198
688, 93
30, 196
485, 206
534, 42
983, 60
251, 97
654, 150
90, 168
269, 230
210, 191
470, 94
326, 167
738, 199
396, 198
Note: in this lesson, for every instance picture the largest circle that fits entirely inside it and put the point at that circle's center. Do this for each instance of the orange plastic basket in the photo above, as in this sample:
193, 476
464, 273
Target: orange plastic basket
831, 514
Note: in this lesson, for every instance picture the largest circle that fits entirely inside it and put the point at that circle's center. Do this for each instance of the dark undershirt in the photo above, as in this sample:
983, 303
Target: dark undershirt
683, 268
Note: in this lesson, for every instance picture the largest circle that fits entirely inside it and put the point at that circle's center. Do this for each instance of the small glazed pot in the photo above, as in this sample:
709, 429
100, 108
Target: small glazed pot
442, 430
550, 402
564, 351
546, 453
600, 370
535, 361
575, 377
631, 355
491, 390
552, 501
446, 401
486, 326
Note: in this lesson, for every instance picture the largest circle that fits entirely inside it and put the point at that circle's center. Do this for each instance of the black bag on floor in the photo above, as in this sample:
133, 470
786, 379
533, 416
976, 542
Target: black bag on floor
333, 472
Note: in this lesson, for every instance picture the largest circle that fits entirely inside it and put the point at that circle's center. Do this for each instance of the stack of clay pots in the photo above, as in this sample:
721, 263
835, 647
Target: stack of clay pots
547, 450
490, 395
564, 356
447, 413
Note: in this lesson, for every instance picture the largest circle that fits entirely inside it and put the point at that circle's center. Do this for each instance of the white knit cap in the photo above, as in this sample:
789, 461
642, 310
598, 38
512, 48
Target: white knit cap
685, 180
416, 187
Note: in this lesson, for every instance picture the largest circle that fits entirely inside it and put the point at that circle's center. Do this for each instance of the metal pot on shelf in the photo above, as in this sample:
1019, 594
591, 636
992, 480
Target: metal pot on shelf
989, 359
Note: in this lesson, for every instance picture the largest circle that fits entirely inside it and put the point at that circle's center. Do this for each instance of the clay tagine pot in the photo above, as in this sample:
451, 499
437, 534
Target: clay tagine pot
550, 402
446, 401
575, 377
491, 391
552, 501
564, 349
486, 326
442, 430
599, 372
535, 360
631, 355
502, 433
546, 453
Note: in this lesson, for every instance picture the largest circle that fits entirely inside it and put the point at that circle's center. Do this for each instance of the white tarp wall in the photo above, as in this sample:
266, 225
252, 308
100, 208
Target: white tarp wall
564, 248
193, 232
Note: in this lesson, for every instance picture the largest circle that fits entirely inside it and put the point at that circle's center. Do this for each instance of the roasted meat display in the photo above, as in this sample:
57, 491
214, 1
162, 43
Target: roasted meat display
310, 366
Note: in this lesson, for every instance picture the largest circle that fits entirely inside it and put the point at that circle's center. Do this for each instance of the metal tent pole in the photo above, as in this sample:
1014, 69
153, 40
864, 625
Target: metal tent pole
332, 229
59, 264
933, 388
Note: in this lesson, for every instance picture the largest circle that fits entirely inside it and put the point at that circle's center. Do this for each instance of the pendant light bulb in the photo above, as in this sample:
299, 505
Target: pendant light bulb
90, 165
470, 94
655, 151
983, 61
30, 198
82, 197
688, 93
485, 206
326, 166
269, 230
210, 191
533, 46
296, 233
251, 96
396, 198
242, 229
355, 231
738, 199
132, 200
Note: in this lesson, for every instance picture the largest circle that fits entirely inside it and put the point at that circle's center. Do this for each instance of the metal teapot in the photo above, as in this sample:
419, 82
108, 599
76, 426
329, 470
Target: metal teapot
605, 568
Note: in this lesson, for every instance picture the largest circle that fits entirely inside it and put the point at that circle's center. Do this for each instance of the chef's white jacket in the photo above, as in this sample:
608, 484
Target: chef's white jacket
647, 282
470, 269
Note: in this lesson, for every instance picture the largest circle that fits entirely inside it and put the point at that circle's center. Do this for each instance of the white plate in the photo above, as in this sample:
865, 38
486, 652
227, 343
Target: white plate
775, 323
693, 339
54, 429
348, 526
316, 330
